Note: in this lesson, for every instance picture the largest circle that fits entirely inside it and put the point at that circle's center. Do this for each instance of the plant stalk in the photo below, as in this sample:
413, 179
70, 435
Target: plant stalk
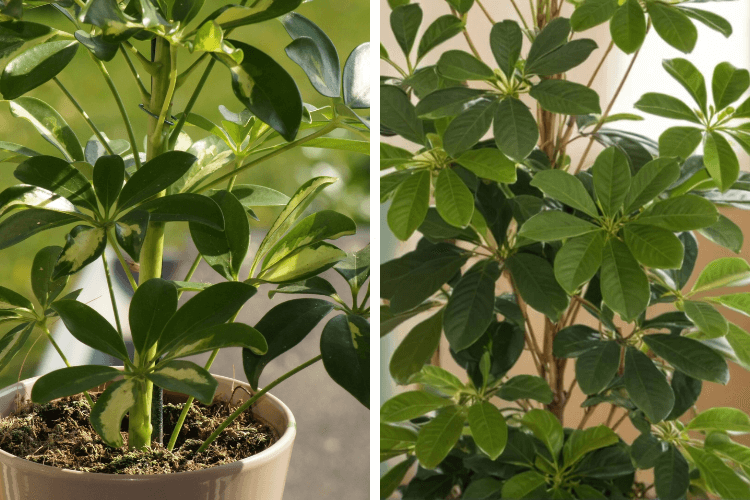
85, 116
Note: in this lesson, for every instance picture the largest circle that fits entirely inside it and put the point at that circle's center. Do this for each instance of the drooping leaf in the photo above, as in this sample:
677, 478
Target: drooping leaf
671, 474
48, 122
546, 427
409, 405
398, 114
71, 381
35, 67
345, 347
416, 349
647, 386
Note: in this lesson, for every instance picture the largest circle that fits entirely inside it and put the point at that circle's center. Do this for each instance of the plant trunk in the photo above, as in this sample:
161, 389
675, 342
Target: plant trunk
152, 252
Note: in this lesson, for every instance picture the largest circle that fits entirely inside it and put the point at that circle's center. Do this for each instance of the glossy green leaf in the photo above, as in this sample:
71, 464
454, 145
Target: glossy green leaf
284, 326
529, 484
624, 285
470, 309
686, 392
469, 127
646, 449
671, 474
219, 337
592, 13
726, 233
409, 206
653, 178
575, 340
416, 349
689, 77
720, 478
130, 231
439, 379
506, 41
672, 25
681, 213
596, 368
737, 301
48, 122
515, 129
654, 246
35, 67
27, 196
578, 260
302, 263
189, 207
210, 38
554, 225
409, 405
185, 377
710, 19
398, 114
83, 245
405, 21
454, 201
356, 80
647, 386
154, 176
546, 427
720, 160
442, 29
437, 438
628, 26
447, 102
460, 66
729, 420
44, 287
727, 271
526, 387
611, 179
109, 176
721, 444
186, 10
680, 141
535, 280
395, 436
71, 381
252, 196
110, 409
564, 97
488, 428
152, 306
13, 300
565, 188
554, 34
584, 441
12, 342
89, 327
234, 16
315, 53
666, 106
27, 223
394, 477
690, 357
17, 33
562, 59
728, 84
58, 176
345, 347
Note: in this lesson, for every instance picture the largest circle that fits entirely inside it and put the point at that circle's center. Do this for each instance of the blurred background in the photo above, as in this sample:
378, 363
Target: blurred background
647, 76
331, 452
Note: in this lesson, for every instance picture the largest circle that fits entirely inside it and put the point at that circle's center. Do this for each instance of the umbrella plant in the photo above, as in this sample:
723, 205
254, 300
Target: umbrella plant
583, 256
111, 193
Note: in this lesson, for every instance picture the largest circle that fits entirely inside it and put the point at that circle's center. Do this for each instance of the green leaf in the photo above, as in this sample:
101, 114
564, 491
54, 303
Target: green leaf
727, 271
89, 327
565, 188
345, 347
27, 223
592, 13
628, 26
16, 33
646, 449
470, 309
739, 302
110, 409
409, 206
671, 474
219, 337
526, 387
35, 67
100, 48
394, 477
185, 377
729, 420
488, 428
405, 21
654, 247
506, 41
483, 489
311, 286
460, 66
224, 250
356, 80
398, 114
596, 368
686, 391
582, 442
83, 245
48, 122
562, 59
446, 102
154, 176
439, 379
689, 77
720, 160
355, 269
515, 129
60, 177
13, 300
739, 340
546, 427
653, 178
454, 201
416, 349
679, 141
672, 25
713, 21
409, 405
575, 340
186, 10
469, 127
681, 213
624, 285
666, 106
529, 484
725, 233
26, 196
489, 163
304, 262
554, 225
266, 89
611, 172
728, 84
44, 287
130, 231
535, 280
210, 38
567, 98
690, 357
721, 444
284, 326
12, 342
152, 306
71, 381
442, 29
719, 477
554, 35
647, 386
233, 16
578, 260
396, 436
315, 53
109, 176
189, 207
438, 437
252, 196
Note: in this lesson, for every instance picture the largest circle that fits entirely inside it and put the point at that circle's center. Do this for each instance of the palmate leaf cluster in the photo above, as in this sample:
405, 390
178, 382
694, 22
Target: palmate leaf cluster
577, 243
112, 195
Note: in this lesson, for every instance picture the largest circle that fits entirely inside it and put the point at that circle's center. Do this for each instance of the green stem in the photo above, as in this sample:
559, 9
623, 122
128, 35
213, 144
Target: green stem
252, 400
123, 111
123, 262
190, 273
59, 351
111, 293
325, 130
182, 78
85, 116
145, 94
193, 98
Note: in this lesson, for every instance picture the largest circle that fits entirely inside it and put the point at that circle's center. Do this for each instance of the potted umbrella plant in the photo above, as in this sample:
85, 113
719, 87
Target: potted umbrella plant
574, 255
113, 193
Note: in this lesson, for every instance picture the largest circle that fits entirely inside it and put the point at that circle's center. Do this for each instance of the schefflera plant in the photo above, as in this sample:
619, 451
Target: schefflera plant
118, 196
525, 246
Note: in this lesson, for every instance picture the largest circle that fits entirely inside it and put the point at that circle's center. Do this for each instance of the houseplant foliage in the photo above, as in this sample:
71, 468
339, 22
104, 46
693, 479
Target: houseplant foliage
591, 245
113, 194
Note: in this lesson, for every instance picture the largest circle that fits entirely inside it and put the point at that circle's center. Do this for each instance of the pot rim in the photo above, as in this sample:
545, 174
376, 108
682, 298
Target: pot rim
286, 440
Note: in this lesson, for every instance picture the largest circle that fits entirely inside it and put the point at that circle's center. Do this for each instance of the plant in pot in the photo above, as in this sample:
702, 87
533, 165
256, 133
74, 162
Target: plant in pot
574, 256
113, 194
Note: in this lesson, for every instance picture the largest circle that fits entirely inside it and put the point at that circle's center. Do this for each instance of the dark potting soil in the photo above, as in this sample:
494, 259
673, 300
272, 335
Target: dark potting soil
59, 434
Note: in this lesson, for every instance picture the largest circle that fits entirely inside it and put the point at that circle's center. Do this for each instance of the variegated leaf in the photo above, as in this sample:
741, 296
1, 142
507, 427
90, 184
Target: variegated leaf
303, 263
110, 408
187, 378
84, 244
130, 232
219, 337
13, 341
25, 195
210, 38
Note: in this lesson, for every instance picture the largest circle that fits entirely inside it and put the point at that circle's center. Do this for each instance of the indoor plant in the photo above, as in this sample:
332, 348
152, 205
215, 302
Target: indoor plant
593, 256
126, 200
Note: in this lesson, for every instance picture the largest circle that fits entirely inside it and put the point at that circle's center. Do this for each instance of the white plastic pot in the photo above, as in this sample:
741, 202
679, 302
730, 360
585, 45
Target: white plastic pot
260, 477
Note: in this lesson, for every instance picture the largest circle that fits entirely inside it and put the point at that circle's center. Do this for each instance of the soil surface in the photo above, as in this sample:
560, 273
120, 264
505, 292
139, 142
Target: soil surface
59, 434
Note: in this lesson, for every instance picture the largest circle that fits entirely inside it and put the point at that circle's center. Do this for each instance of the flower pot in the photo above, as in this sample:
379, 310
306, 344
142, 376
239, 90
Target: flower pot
259, 477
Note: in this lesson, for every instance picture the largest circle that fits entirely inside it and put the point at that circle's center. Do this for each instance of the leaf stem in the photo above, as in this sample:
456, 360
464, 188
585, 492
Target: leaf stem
252, 400
190, 273
123, 262
111, 293
62, 355
486, 12
145, 94
85, 116
182, 77
189, 107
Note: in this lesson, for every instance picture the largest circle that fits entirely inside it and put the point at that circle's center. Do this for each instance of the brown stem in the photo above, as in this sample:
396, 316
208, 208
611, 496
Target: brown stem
621, 420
